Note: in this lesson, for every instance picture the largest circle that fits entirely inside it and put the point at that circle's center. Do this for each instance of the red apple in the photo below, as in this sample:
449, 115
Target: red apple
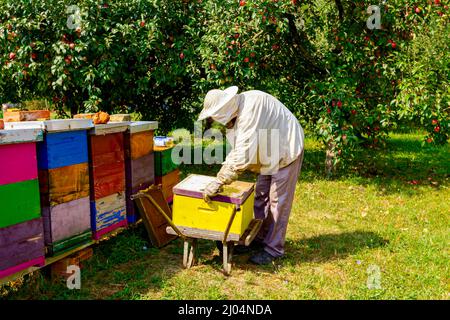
339, 104
72, 45
417, 10
437, 1
142, 24
252, 54
182, 56
437, 129
354, 112
242, 3
434, 122
12, 56
328, 110
246, 59
429, 140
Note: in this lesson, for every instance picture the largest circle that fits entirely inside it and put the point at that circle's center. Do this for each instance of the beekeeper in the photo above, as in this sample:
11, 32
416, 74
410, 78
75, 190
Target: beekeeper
267, 139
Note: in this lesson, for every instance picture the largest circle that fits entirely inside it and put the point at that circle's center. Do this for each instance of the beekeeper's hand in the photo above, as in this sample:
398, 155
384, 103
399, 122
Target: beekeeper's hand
227, 174
211, 190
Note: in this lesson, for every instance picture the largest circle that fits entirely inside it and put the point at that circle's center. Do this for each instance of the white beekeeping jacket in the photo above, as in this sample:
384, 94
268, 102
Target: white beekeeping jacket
266, 136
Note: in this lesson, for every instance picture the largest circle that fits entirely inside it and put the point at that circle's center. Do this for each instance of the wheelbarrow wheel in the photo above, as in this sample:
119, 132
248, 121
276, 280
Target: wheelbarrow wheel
189, 254
227, 253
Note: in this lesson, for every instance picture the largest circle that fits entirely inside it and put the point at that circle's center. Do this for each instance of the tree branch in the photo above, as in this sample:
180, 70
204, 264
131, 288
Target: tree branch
340, 9
298, 44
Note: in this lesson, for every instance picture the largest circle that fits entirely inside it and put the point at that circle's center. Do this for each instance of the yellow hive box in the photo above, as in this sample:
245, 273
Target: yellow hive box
192, 212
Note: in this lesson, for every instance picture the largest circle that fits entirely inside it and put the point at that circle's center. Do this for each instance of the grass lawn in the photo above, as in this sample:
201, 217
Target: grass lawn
371, 218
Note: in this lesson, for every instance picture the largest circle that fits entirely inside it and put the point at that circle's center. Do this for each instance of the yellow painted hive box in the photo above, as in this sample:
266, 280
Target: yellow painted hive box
191, 211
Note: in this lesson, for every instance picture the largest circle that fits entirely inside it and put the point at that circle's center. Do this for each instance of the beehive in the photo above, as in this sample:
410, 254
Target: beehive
107, 177
139, 161
191, 211
168, 182
21, 230
163, 160
63, 181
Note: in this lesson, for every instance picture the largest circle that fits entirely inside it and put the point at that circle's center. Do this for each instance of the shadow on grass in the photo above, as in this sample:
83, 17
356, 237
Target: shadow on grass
331, 246
318, 249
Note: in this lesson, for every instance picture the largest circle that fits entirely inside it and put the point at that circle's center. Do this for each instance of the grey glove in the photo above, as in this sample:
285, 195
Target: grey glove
211, 190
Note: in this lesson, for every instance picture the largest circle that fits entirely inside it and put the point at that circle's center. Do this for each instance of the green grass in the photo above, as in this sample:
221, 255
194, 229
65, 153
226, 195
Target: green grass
371, 214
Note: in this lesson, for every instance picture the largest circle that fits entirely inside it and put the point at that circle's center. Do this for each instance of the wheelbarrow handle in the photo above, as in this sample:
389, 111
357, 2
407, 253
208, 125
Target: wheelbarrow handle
174, 227
230, 222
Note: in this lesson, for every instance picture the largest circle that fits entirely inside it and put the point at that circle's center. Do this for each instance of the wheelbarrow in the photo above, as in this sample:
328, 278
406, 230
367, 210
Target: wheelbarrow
190, 236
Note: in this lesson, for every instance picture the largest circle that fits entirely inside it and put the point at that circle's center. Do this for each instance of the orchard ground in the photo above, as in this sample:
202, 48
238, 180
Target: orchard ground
389, 210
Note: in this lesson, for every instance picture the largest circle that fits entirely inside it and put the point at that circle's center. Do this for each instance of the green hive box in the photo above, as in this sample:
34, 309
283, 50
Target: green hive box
163, 161
19, 202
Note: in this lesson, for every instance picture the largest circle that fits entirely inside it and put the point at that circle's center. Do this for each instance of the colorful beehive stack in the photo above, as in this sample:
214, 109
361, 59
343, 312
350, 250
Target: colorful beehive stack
64, 182
139, 162
166, 171
107, 176
21, 226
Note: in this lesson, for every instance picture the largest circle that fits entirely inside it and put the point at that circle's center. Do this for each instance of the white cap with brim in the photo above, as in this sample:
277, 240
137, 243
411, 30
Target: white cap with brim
215, 100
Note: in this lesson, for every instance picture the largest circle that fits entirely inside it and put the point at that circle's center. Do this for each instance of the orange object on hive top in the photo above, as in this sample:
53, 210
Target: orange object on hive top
100, 118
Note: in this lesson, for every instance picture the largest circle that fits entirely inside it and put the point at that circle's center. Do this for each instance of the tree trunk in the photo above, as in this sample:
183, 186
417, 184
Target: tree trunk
329, 161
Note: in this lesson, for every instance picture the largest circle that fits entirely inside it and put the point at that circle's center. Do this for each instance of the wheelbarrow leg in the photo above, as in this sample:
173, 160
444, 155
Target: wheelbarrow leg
189, 254
227, 257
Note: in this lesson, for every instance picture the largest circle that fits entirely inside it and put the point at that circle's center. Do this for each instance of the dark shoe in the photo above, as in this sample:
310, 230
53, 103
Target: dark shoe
254, 246
262, 258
